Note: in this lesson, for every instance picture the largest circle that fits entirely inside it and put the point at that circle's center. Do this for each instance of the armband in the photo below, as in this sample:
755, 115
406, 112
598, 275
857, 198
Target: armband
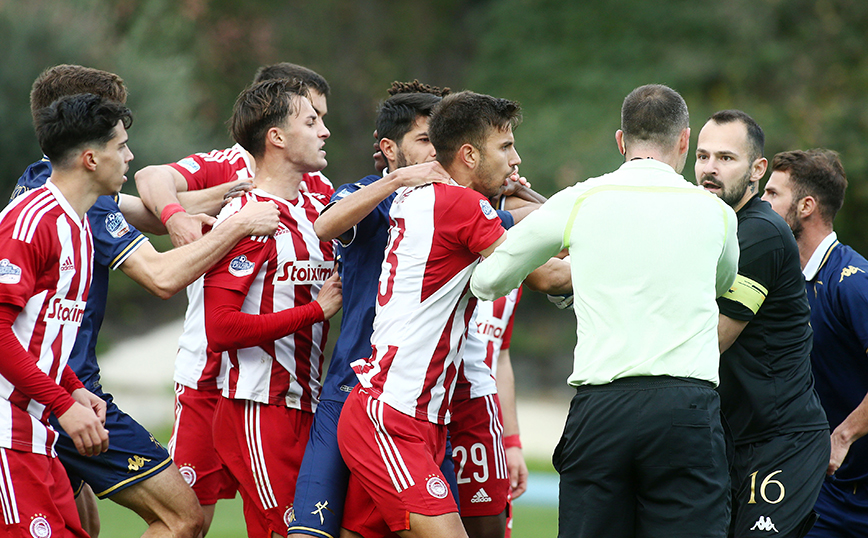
170, 210
512, 441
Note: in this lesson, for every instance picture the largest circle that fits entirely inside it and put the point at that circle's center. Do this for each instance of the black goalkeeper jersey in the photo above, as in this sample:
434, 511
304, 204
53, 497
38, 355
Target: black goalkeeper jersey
766, 385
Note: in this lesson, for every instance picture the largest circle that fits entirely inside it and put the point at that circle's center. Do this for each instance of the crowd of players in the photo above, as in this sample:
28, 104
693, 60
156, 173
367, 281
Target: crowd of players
697, 413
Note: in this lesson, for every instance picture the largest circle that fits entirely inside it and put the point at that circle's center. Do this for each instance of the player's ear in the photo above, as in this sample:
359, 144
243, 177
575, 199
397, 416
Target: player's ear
88, 159
468, 155
276, 137
619, 139
758, 168
807, 206
389, 148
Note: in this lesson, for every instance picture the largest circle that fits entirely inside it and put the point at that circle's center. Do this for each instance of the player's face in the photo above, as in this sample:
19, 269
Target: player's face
779, 193
723, 165
113, 161
320, 104
497, 160
306, 135
415, 147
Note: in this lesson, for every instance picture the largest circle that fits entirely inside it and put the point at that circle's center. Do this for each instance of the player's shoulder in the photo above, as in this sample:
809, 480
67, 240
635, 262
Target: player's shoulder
847, 270
758, 223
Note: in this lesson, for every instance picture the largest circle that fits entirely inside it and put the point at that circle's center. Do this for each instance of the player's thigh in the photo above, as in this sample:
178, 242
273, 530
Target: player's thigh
842, 510
163, 497
775, 483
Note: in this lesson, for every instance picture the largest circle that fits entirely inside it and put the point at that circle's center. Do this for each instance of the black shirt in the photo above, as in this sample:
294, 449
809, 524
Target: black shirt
766, 385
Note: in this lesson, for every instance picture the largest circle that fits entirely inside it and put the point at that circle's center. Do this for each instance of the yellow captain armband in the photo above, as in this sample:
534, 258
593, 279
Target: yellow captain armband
747, 292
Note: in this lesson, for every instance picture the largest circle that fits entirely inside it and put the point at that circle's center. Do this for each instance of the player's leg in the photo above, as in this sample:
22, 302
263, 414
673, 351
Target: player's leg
192, 449
843, 510
682, 472
166, 503
85, 503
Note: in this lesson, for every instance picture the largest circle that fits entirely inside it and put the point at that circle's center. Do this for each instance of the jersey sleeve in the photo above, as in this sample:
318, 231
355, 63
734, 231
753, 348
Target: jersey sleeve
202, 173
507, 333
759, 268
852, 291
477, 224
343, 191
21, 264
114, 239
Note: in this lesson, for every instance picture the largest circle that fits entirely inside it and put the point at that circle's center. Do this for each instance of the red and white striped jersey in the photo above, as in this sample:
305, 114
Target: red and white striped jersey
490, 331
194, 367
46, 256
282, 271
423, 306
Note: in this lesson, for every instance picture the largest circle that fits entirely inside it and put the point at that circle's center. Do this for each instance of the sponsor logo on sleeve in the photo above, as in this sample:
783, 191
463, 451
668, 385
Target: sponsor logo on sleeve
240, 266
189, 164
487, 210
9, 272
65, 311
116, 225
303, 272
67, 265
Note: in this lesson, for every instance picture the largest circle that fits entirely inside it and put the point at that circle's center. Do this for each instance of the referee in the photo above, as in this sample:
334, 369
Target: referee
642, 452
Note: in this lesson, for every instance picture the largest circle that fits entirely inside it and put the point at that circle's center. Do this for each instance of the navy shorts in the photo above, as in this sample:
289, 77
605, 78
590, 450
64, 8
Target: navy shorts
843, 510
134, 454
775, 484
322, 480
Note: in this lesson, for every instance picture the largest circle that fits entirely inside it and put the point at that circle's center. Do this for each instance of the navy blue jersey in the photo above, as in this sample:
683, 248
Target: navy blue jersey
360, 256
839, 316
766, 386
113, 241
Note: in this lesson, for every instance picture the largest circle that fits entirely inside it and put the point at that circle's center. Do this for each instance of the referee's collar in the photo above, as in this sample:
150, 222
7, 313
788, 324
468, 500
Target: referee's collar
818, 257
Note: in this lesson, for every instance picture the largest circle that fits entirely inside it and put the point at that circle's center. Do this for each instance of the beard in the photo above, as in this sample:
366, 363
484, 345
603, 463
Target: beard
400, 159
733, 194
795, 224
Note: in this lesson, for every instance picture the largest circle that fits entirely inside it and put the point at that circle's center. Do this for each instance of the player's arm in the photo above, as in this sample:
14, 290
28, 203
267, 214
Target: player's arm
728, 330
514, 455
166, 273
854, 427
350, 210
19, 368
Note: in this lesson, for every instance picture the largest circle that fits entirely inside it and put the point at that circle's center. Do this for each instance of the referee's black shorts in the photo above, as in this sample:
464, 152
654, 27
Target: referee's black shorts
643, 457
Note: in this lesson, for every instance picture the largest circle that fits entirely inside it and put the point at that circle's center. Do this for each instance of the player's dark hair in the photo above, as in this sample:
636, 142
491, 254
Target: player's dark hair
468, 118
75, 121
817, 173
398, 114
312, 79
654, 114
417, 87
755, 136
263, 106
66, 79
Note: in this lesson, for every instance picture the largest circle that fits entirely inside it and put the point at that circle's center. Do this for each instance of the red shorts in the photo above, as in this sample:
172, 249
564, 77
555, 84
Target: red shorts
192, 445
394, 461
35, 497
476, 432
262, 446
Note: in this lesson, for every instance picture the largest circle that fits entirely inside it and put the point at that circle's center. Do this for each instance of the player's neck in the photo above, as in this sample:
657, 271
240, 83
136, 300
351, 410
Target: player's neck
77, 189
278, 178
809, 239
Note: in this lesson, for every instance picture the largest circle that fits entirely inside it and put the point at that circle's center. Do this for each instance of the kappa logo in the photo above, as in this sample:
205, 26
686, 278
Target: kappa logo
189, 474
437, 487
116, 225
9, 272
240, 266
481, 497
487, 210
39, 527
136, 463
764, 524
67, 265
190, 164
849, 271
65, 311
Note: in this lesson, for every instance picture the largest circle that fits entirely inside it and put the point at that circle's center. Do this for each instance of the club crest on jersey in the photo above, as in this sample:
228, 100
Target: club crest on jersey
9, 272
303, 272
40, 527
487, 210
190, 164
189, 474
239, 266
437, 487
116, 225
65, 311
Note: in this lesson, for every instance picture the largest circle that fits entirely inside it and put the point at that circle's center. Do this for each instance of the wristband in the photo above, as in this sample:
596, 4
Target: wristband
170, 210
512, 441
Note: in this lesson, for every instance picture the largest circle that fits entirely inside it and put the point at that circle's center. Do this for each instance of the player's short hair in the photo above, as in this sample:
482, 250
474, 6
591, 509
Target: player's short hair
287, 70
468, 118
655, 115
75, 121
417, 87
755, 137
817, 173
398, 114
67, 79
263, 106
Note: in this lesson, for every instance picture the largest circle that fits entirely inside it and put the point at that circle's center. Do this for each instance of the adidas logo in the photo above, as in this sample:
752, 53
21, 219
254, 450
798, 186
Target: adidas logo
67, 265
481, 497
764, 524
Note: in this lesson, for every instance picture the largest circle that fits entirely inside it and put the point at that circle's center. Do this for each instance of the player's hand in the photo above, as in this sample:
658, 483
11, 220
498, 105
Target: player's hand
840, 448
91, 401
517, 471
330, 296
184, 228
422, 174
86, 430
380, 163
236, 189
514, 183
261, 218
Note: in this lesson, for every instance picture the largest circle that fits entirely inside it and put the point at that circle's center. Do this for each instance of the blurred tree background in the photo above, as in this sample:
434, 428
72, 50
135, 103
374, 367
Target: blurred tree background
797, 66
